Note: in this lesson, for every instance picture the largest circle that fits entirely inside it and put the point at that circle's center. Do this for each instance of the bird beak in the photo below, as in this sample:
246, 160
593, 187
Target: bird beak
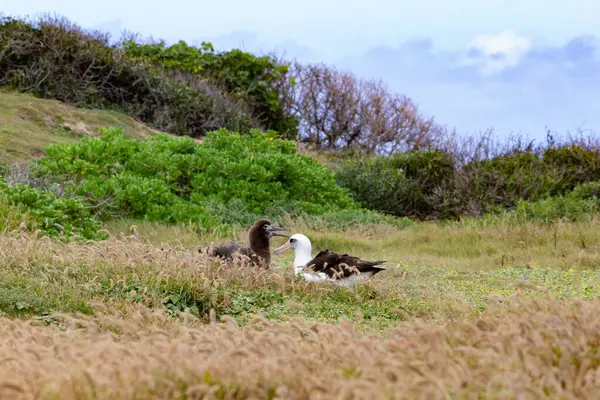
281, 249
273, 228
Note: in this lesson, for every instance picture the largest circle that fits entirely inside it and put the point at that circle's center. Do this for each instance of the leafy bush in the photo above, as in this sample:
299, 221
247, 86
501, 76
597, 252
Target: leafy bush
578, 205
20, 300
532, 175
58, 217
245, 76
53, 58
415, 184
375, 183
505, 179
228, 179
554, 208
574, 164
431, 175
589, 190
431, 185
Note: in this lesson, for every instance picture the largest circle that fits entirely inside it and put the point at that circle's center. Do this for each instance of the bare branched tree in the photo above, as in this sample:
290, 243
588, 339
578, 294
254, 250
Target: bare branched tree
328, 105
391, 122
338, 110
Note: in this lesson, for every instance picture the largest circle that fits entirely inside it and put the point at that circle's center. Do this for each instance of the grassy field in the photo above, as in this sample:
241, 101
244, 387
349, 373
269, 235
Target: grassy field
462, 311
477, 309
27, 124
431, 267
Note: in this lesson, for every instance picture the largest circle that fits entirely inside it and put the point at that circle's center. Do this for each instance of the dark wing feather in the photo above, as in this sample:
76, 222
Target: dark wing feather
227, 250
336, 265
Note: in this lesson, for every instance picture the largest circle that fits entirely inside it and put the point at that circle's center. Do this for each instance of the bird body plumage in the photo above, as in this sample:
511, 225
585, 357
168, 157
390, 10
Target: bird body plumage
341, 266
342, 269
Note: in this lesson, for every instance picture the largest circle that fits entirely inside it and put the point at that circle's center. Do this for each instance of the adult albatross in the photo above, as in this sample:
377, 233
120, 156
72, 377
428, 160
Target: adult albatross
341, 269
259, 251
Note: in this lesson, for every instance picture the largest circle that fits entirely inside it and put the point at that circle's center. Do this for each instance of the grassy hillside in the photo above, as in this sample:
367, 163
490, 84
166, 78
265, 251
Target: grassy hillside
28, 124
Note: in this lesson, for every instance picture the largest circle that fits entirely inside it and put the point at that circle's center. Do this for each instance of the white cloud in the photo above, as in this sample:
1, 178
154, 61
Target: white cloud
494, 53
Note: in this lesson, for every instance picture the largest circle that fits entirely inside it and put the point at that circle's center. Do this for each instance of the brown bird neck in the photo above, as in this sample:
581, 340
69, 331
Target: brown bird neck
260, 245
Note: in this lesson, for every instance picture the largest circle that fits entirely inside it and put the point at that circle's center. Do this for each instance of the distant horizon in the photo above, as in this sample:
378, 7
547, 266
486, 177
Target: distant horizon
516, 68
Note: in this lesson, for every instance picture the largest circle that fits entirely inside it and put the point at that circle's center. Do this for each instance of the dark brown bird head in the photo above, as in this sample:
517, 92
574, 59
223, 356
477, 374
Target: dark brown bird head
260, 234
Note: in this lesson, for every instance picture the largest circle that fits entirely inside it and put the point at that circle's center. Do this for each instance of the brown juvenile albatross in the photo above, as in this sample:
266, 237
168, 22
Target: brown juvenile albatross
259, 251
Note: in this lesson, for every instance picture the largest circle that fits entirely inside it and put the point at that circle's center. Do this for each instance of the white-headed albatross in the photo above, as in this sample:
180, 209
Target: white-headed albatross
341, 269
259, 251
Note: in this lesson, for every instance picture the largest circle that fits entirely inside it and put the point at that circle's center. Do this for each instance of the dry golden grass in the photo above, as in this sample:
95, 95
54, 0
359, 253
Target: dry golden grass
530, 350
448, 319
77, 269
123, 255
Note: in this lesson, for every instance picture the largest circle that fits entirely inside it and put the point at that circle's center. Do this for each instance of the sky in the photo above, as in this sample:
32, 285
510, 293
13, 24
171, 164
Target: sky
516, 66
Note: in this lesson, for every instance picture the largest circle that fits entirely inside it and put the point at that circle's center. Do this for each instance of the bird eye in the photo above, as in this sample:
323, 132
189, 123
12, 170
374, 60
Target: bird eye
292, 240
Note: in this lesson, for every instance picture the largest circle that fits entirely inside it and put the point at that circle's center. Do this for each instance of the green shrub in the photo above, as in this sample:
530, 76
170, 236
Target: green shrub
376, 184
532, 175
506, 179
228, 179
431, 169
430, 185
56, 59
431, 174
589, 190
554, 208
577, 205
245, 76
57, 217
417, 184
574, 164
21, 301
